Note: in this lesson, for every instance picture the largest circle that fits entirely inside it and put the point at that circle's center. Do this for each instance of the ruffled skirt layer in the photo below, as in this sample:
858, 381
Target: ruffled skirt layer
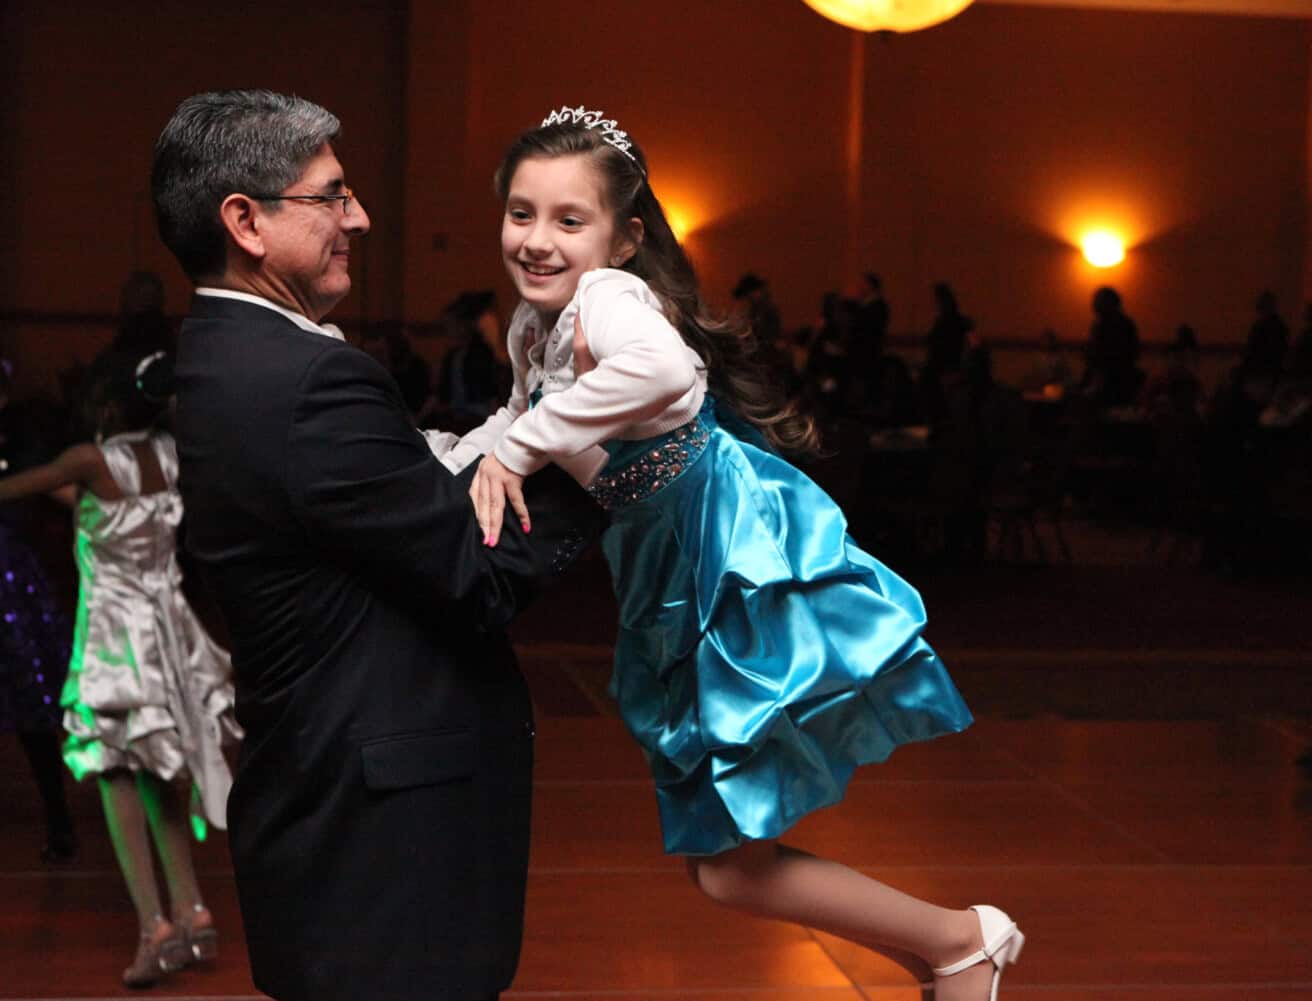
762, 655
149, 690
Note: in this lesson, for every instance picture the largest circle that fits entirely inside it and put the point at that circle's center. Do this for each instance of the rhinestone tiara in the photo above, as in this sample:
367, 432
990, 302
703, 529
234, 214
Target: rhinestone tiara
580, 116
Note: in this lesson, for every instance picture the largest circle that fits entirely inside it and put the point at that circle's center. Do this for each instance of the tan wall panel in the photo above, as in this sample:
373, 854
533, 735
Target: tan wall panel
996, 139
88, 87
988, 142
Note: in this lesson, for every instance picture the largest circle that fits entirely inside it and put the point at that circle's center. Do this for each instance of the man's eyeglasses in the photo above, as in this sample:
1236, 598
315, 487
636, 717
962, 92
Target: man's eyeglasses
346, 197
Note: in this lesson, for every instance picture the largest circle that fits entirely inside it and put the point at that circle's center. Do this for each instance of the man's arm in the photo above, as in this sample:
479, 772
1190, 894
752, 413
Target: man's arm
366, 487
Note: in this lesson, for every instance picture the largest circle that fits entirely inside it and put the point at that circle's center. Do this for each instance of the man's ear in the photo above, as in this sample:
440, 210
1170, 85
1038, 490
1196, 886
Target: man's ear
627, 245
240, 217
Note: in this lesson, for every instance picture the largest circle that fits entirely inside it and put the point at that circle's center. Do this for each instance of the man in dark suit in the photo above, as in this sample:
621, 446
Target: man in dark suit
379, 817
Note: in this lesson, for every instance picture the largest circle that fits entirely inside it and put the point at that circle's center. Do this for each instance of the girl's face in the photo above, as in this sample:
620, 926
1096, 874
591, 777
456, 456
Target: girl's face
556, 227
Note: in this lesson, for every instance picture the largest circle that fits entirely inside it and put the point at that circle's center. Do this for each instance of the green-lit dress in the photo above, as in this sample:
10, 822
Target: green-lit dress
147, 689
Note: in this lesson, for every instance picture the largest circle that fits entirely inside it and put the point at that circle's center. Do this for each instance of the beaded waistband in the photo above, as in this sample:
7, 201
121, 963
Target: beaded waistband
655, 468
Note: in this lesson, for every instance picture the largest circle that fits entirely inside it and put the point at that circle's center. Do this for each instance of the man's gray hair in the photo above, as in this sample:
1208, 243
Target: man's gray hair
252, 142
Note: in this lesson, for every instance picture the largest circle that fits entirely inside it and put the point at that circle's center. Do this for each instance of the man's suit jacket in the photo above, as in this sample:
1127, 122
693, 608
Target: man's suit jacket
380, 814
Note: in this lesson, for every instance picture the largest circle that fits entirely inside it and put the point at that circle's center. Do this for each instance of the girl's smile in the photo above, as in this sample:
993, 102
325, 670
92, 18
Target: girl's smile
540, 271
557, 228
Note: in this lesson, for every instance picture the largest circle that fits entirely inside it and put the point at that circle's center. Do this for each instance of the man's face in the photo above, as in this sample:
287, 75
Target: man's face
307, 244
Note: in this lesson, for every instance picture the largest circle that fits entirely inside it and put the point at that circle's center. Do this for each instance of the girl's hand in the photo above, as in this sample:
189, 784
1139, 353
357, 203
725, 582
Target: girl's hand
583, 360
493, 485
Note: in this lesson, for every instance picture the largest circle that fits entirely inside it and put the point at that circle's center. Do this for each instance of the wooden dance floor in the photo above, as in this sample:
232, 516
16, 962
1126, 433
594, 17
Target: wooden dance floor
1129, 792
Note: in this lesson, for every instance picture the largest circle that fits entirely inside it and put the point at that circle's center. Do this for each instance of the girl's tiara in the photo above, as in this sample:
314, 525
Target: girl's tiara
610, 131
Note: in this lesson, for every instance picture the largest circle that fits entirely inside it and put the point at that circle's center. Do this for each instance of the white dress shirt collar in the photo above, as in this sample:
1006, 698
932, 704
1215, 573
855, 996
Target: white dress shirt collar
305, 323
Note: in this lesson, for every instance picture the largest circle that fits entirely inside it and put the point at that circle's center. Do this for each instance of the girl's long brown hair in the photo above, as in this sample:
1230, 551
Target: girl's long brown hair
735, 372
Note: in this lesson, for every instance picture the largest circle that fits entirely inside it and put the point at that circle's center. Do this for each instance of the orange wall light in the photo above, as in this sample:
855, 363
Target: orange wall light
683, 209
679, 220
1102, 248
888, 15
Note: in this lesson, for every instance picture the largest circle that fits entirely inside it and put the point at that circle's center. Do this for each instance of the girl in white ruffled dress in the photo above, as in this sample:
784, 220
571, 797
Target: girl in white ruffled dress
148, 697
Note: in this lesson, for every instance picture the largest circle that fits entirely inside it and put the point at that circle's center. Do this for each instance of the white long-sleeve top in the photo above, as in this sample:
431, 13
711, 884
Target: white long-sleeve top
647, 381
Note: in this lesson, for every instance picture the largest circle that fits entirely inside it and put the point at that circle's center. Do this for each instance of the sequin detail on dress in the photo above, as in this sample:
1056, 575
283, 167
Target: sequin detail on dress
653, 469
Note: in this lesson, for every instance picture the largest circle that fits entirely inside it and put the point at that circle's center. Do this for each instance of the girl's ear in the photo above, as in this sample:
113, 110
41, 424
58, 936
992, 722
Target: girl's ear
626, 245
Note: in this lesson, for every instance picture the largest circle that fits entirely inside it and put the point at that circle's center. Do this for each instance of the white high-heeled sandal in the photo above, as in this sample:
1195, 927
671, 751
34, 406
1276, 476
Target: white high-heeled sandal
1003, 942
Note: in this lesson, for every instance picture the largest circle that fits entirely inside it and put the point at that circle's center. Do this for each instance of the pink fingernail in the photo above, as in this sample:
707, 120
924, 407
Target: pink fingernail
526, 526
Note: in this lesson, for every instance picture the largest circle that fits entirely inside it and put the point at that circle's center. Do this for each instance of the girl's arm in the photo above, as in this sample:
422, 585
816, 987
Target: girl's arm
80, 465
483, 438
643, 369
480, 441
66, 496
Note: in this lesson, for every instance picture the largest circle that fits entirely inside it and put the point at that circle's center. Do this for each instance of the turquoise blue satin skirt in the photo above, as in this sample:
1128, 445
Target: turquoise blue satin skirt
762, 655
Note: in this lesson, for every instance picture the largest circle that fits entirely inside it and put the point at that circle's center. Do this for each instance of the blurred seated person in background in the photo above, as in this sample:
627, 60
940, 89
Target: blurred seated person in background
390, 348
981, 442
945, 344
469, 380
753, 294
890, 400
869, 333
1291, 403
826, 377
1051, 374
1250, 388
1112, 377
1268, 340
872, 316
945, 350
1259, 457
790, 360
143, 328
1177, 388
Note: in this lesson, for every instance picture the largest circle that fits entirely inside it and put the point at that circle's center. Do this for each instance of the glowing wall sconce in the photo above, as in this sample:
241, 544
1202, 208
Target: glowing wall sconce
1103, 249
888, 15
680, 223
684, 205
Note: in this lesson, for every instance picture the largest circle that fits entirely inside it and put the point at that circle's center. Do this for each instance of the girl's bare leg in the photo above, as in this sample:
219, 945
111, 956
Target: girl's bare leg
126, 818
775, 881
170, 826
125, 815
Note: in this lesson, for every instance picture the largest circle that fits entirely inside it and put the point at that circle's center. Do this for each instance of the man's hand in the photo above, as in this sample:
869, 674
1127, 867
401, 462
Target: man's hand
493, 485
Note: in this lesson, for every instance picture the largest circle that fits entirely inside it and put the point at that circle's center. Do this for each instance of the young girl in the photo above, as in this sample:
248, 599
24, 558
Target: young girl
761, 655
148, 695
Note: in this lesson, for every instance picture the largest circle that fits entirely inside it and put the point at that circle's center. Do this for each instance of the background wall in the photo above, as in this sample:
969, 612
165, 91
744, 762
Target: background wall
87, 87
988, 144
995, 140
